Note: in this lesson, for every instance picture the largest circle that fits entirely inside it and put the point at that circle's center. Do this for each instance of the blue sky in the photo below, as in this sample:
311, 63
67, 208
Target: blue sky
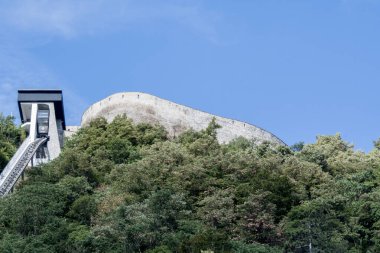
298, 68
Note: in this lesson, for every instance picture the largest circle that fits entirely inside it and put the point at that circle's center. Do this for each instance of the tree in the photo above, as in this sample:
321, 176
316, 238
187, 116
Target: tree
257, 220
316, 224
11, 137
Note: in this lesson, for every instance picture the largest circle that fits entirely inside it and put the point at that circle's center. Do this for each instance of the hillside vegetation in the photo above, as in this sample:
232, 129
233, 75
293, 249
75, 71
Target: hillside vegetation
10, 138
122, 187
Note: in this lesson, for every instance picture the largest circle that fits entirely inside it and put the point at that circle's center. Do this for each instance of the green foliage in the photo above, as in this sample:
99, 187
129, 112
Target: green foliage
125, 187
10, 137
257, 219
297, 146
160, 249
83, 209
240, 247
316, 222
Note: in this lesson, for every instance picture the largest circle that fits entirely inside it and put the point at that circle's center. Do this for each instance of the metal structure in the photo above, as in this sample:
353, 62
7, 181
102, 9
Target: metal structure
43, 118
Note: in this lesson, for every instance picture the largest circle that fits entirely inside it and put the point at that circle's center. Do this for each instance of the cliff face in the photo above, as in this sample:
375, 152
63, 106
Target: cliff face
142, 107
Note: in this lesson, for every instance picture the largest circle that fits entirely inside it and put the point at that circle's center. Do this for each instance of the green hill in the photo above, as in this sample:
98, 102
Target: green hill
122, 187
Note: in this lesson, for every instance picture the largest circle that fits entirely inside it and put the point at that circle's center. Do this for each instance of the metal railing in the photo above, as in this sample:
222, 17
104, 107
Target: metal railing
18, 163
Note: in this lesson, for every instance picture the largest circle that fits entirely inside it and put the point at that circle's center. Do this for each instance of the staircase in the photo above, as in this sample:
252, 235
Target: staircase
18, 163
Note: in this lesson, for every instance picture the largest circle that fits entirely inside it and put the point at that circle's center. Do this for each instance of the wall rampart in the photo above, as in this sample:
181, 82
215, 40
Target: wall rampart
145, 108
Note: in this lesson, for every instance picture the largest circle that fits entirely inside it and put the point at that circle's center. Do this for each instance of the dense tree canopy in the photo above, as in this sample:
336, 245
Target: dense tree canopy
125, 187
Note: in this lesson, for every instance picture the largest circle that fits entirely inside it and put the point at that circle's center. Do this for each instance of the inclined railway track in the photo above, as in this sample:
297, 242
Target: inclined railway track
18, 163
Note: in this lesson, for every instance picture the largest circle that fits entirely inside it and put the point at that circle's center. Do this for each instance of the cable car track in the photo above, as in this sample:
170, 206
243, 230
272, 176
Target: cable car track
18, 163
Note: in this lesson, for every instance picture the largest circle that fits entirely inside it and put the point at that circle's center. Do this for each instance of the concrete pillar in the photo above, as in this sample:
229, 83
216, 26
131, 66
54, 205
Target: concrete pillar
53, 144
33, 122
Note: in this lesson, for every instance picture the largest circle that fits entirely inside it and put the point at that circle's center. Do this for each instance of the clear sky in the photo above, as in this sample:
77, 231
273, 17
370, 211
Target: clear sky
298, 68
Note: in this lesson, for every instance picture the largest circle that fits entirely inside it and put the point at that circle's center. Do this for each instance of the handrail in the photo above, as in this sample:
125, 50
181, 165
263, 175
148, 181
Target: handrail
18, 164
14, 159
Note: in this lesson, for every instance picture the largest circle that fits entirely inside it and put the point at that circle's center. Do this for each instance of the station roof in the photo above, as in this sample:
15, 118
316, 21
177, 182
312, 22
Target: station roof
40, 96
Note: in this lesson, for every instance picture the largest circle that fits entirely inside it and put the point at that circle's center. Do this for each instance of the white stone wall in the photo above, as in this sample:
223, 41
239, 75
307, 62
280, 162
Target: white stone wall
142, 107
70, 130
54, 146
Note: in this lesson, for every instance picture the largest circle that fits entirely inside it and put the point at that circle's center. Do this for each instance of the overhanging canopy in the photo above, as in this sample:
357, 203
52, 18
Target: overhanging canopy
41, 96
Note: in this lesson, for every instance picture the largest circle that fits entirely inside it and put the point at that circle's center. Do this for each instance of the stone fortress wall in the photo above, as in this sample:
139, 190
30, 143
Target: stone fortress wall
175, 118
71, 130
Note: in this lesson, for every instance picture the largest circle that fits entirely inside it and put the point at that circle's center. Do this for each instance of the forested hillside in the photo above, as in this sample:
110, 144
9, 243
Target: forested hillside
122, 187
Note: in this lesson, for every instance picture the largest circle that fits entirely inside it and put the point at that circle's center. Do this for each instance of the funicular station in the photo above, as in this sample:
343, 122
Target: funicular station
42, 116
